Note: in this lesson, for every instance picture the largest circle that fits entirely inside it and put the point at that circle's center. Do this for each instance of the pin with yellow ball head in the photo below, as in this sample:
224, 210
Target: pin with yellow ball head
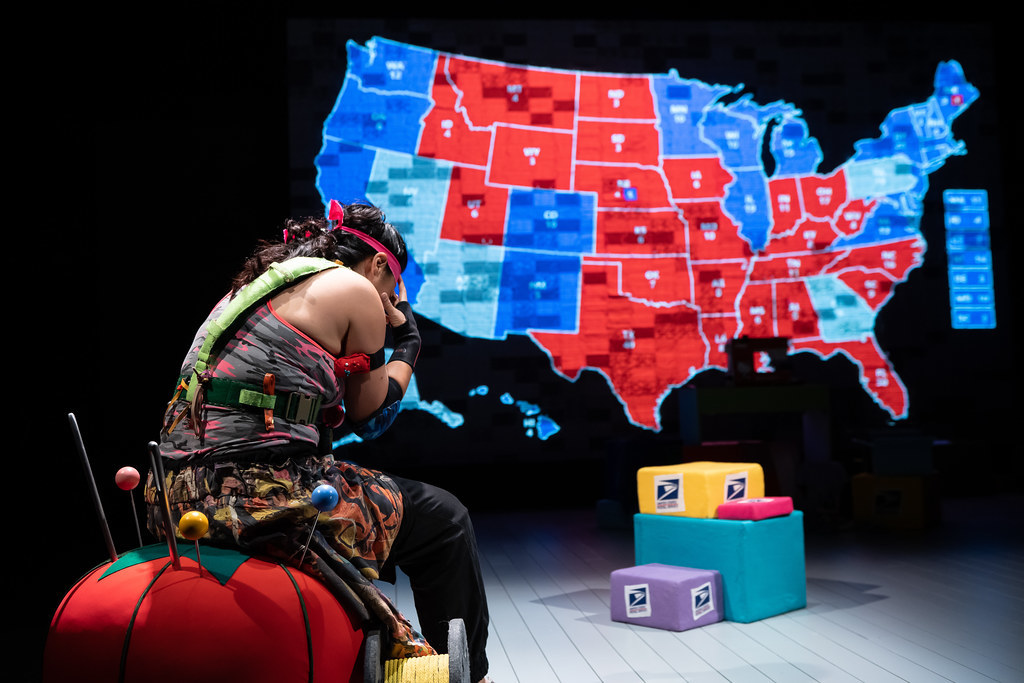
193, 526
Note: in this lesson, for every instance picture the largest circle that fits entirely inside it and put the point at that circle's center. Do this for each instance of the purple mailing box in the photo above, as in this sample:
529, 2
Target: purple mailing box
665, 596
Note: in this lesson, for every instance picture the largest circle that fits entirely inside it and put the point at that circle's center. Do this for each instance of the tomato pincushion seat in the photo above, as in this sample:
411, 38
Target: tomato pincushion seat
234, 618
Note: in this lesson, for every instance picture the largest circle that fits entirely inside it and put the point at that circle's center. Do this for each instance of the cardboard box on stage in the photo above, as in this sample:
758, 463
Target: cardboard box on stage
896, 502
666, 597
696, 489
761, 562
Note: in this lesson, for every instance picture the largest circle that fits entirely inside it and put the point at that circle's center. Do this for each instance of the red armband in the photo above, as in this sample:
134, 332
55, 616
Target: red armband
358, 363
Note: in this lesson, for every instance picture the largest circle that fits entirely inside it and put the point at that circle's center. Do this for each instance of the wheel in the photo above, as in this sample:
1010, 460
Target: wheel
458, 652
373, 663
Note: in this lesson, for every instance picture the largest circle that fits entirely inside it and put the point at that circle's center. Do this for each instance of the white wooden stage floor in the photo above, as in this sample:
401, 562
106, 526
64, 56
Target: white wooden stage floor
943, 605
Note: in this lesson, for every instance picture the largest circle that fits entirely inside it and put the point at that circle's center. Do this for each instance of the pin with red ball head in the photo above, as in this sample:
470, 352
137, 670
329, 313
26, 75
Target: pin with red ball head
127, 478
324, 499
165, 507
193, 526
92, 484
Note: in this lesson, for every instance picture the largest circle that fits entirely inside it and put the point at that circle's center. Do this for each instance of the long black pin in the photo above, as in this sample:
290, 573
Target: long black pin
92, 484
159, 481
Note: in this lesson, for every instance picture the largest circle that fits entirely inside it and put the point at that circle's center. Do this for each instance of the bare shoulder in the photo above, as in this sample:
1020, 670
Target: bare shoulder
330, 305
340, 281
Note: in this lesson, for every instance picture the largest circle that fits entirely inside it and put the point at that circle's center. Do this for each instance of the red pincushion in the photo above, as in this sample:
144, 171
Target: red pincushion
240, 619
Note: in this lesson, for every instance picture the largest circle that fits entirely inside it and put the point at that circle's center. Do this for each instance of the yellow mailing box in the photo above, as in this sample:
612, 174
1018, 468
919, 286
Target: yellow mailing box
696, 489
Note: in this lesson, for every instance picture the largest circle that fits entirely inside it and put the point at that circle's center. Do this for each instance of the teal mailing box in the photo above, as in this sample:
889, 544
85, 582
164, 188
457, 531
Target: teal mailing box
761, 562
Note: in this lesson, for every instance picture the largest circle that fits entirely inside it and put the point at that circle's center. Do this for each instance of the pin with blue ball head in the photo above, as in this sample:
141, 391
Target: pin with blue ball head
324, 499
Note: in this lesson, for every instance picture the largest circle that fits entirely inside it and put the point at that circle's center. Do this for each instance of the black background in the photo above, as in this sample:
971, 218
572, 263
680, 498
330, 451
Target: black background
159, 148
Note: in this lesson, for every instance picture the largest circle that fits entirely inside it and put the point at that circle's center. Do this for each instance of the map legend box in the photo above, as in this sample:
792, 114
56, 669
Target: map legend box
969, 256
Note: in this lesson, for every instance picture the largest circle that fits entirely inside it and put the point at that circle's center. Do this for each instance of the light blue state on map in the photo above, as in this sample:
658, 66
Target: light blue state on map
843, 315
412, 190
460, 288
871, 178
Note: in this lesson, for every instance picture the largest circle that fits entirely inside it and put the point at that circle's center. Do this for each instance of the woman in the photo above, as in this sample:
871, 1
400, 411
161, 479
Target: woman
294, 350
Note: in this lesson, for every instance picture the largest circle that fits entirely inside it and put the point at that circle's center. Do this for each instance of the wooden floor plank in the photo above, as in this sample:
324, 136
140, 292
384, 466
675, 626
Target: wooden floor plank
524, 653
738, 639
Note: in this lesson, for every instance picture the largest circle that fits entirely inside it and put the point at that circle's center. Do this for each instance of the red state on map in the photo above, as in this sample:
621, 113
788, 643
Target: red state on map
717, 284
757, 311
640, 232
874, 287
790, 266
642, 350
618, 142
795, 316
852, 215
876, 374
786, 206
532, 158
712, 234
807, 235
896, 258
474, 210
718, 330
823, 195
619, 97
445, 133
493, 93
657, 280
623, 186
696, 178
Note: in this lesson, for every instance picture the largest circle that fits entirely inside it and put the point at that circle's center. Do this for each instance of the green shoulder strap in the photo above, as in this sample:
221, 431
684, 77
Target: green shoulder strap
277, 277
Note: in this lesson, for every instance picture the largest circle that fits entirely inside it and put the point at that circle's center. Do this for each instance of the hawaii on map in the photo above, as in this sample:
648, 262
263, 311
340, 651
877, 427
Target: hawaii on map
626, 223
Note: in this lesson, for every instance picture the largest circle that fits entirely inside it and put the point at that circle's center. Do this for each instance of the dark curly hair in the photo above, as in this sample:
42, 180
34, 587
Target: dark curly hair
313, 236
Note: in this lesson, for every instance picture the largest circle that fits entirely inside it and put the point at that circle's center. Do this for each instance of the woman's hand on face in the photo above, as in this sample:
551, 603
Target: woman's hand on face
395, 317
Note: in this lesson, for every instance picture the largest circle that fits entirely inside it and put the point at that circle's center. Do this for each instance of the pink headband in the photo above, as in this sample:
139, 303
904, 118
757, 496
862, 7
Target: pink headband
336, 213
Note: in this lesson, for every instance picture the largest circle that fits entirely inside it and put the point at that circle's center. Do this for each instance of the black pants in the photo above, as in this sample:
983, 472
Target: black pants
436, 548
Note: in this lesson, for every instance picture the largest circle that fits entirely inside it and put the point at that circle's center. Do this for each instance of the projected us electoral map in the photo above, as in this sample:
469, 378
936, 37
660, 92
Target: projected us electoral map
626, 223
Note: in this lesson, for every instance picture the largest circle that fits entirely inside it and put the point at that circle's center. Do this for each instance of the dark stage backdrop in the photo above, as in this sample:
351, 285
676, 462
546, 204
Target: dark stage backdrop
169, 146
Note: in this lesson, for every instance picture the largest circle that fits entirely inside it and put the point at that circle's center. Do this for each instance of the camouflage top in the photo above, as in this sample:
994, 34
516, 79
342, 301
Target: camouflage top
263, 344
254, 483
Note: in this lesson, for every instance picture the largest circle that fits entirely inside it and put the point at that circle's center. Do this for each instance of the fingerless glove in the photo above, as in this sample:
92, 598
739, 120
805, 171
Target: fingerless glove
406, 337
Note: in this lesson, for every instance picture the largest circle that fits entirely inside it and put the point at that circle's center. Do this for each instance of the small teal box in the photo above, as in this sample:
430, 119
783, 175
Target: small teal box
761, 562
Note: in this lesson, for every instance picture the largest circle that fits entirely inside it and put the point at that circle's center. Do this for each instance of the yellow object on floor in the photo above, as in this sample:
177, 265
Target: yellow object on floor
696, 489
429, 669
